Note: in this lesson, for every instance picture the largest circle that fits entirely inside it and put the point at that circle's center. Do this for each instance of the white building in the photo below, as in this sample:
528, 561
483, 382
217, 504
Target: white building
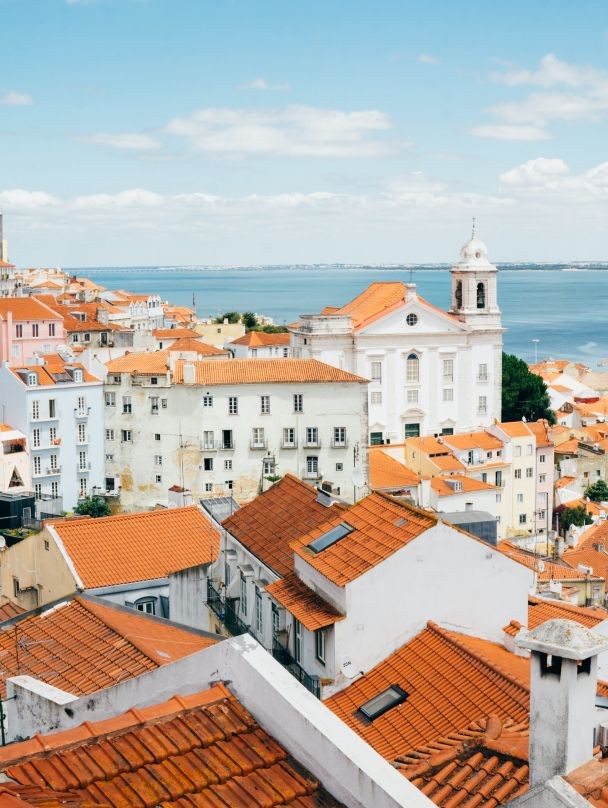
222, 426
431, 371
59, 406
15, 471
260, 345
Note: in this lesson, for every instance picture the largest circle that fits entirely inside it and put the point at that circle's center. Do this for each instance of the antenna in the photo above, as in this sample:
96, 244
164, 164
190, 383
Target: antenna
347, 667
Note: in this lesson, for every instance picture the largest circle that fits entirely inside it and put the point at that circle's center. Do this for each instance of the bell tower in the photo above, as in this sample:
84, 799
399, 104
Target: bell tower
474, 291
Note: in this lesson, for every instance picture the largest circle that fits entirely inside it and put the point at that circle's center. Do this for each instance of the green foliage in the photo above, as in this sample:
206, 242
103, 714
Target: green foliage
271, 329
93, 506
524, 394
574, 516
249, 319
231, 316
598, 492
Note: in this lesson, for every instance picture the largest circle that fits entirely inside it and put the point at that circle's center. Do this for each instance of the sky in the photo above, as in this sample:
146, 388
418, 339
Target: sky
222, 132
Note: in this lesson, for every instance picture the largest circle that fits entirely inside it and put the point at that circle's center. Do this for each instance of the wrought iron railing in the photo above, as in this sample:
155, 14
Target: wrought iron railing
227, 611
282, 655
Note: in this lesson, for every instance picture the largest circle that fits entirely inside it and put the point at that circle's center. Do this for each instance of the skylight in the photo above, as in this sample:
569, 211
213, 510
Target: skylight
380, 704
331, 537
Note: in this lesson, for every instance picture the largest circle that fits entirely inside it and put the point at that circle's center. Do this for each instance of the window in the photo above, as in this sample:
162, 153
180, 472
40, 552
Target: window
498, 497
38, 491
411, 319
110, 399
484, 477
207, 464
312, 436
207, 401
109, 458
47, 545
412, 368
35, 410
375, 438
229, 485
127, 407
447, 430
81, 405
376, 372
259, 623
158, 460
233, 405
53, 461
126, 436
481, 295
542, 458
529, 472
448, 394
82, 461
208, 439
498, 478
164, 403
320, 642
18, 331
529, 448
53, 436
541, 514
208, 487
16, 587
285, 353
375, 397
339, 466
157, 436
82, 434
254, 353
146, 605
35, 329
265, 405
520, 497
482, 405
243, 595
411, 430
518, 451
268, 468
32, 379
52, 408
298, 402
458, 295
488, 455
35, 438
36, 464
227, 442
517, 474
257, 437
522, 518
51, 329
412, 396
83, 487
153, 405
54, 489
380, 704
312, 466
227, 465
448, 370
339, 436
289, 436
153, 379
109, 434
159, 478
297, 640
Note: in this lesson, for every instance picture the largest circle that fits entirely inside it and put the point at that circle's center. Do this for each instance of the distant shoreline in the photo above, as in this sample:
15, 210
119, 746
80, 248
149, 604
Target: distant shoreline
564, 267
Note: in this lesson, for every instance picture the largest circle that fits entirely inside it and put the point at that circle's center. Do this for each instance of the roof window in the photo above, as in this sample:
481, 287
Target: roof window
331, 537
400, 522
383, 702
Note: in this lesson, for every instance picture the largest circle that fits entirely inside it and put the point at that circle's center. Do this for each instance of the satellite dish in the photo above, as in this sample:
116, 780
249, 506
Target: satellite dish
358, 478
347, 668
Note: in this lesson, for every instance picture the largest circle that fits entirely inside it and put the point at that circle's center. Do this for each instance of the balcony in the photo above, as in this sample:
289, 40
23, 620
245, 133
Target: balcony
289, 444
339, 444
259, 444
53, 470
312, 444
227, 445
79, 414
82, 469
311, 475
282, 655
226, 611
42, 418
209, 446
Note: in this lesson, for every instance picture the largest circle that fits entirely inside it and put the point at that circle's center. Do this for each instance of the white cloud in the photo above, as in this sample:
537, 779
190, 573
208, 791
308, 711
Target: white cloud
550, 179
262, 84
11, 98
133, 198
19, 199
540, 173
427, 59
127, 141
569, 93
292, 131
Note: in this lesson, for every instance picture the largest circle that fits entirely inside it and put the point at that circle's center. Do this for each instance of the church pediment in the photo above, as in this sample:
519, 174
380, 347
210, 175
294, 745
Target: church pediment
415, 317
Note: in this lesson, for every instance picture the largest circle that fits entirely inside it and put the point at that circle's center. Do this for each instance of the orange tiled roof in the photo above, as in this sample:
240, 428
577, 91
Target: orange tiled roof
474, 440
173, 333
590, 557
142, 363
567, 447
25, 308
203, 750
564, 482
552, 570
447, 463
256, 339
515, 429
53, 367
484, 764
193, 345
450, 682
385, 472
305, 605
138, 546
270, 371
377, 300
6, 265
594, 534
540, 610
442, 487
429, 445
382, 525
8, 609
83, 644
591, 781
267, 525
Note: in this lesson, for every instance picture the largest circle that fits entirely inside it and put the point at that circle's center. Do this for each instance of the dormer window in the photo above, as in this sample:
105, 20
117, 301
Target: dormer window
481, 295
78, 375
32, 379
383, 702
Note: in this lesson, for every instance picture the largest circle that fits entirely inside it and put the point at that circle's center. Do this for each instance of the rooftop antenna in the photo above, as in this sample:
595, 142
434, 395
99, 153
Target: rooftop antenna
411, 275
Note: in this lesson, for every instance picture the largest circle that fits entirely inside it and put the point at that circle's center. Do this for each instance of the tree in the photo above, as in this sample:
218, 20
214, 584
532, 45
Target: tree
574, 516
249, 319
598, 492
524, 394
231, 316
93, 506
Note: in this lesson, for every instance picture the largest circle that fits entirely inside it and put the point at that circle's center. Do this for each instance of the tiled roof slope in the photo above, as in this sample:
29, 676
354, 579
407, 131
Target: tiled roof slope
382, 525
25, 308
52, 368
267, 525
143, 362
451, 681
379, 298
552, 570
174, 333
138, 546
256, 339
441, 485
386, 472
9, 609
485, 764
539, 611
192, 344
474, 440
200, 750
269, 371
82, 645
305, 605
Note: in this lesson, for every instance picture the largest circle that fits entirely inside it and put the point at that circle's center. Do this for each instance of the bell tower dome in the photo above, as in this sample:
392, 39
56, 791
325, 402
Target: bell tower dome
474, 292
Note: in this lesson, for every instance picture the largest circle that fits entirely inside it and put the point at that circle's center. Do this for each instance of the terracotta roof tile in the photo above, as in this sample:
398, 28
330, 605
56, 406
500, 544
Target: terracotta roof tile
541, 430
540, 610
564, 482
203, 750
443, 488
385, 472
53, 371
546, 570
590, 557
138, 546
382, 525
267, 525
143, 363
256, 339
194, 345
378, 299
82, 644
473, 440
515, 429
25, 308
567, 447
305, 605
174, 333
8, 609
447, 463
254, 371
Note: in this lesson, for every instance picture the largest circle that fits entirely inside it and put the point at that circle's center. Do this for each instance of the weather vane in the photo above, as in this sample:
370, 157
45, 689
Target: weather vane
473, 233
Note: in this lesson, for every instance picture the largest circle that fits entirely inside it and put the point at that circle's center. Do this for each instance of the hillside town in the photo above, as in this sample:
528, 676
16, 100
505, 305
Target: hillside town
305, 566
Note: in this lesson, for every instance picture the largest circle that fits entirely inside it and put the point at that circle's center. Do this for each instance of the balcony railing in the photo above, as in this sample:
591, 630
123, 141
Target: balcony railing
339, 444
315, 443
259, 444
227, 611
227, 445
282, 655
209, 445
289, 444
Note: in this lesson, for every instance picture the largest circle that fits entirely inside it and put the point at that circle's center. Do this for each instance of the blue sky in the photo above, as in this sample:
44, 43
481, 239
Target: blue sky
263, 131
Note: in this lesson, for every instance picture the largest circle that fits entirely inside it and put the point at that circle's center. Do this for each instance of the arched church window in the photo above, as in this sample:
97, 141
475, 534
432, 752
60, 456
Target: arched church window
412, 368
481, 296
458, 295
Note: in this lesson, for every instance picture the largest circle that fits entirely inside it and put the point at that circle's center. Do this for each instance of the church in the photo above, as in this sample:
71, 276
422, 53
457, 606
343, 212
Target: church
431, 371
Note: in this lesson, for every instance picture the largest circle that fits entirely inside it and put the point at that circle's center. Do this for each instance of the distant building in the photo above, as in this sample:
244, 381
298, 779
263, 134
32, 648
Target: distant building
28, 329
259, 345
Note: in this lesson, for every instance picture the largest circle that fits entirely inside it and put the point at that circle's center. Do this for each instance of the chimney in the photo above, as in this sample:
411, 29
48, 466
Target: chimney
189, 373
468, 506
563, 683
410, 292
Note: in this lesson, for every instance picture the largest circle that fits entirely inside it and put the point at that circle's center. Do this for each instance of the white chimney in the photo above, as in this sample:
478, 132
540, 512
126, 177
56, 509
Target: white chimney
563, 684
410, 292
189, 373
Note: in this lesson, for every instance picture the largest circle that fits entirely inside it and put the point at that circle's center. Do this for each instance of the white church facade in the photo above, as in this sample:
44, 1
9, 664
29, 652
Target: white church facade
431, 371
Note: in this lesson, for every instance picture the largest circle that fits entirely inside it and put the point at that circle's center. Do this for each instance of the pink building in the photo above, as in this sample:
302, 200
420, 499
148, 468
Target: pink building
28, 327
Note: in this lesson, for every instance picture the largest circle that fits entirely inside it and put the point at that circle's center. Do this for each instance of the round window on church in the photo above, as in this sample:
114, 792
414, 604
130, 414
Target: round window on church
411, 319
477, 255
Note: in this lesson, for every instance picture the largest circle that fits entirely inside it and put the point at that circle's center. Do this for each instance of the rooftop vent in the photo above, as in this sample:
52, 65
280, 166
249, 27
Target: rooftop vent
383, 702
331, 537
